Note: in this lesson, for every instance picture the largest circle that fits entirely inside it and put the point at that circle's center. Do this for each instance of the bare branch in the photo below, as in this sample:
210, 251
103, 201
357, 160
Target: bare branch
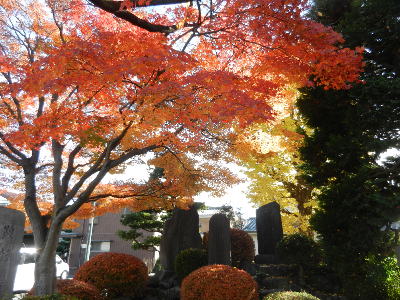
70, 170
113, 7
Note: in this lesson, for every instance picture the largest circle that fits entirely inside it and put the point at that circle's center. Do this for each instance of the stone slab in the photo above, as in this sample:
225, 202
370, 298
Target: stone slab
12, 223
269, 227
219, 248
266, 259
181, 232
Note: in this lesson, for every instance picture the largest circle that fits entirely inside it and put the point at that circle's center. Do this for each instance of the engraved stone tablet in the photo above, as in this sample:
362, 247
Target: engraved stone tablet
12, 223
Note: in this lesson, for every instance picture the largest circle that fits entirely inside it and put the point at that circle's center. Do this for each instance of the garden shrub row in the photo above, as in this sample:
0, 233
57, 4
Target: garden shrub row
111, 275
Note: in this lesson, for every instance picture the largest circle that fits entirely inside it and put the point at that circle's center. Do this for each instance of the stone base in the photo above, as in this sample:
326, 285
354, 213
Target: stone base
163, 279
251, 268
266, 259
167, 294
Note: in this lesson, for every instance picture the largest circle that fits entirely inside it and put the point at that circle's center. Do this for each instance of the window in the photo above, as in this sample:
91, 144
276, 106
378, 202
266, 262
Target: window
101, 246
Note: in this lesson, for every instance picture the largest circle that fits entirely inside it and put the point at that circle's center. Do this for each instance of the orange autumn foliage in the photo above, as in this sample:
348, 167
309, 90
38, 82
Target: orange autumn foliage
115, 275
219, 282
87, 91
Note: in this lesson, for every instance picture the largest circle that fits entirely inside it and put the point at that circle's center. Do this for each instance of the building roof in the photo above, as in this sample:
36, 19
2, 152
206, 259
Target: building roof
8, 194
67, 235
5, 197
250, 225
3, 201
209, 211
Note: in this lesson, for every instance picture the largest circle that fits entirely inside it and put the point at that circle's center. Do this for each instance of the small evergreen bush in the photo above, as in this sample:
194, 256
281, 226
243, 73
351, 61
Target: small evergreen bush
290, 296
75, 288
157, 266
188, 261
242, 247
373, 280
115, 275
300, 250
219, 282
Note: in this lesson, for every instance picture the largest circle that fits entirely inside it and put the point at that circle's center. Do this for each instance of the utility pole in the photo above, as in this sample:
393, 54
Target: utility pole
89, 236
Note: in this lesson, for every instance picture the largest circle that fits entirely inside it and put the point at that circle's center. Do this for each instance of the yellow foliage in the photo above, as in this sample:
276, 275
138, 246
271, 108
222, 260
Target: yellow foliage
274, 176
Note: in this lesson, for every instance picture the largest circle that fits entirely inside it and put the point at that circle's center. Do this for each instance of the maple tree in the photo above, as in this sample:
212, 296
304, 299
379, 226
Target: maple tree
273, 171
85, 94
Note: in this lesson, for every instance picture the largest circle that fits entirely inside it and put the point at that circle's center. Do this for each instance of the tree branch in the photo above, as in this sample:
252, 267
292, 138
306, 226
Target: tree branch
58, 162
13, 150
70, 170
113, 7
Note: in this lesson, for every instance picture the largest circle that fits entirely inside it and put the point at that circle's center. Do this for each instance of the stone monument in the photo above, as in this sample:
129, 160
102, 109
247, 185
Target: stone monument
397, 251
219, 247
181, 232
269, 232
12, 223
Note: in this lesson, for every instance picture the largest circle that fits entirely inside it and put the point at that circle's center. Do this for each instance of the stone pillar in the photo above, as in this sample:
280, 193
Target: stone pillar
181, 232
397, 251
12, 223
219, 249
269, 232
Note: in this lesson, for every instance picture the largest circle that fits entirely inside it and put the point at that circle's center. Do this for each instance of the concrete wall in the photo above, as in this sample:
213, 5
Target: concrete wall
205, 223
254, 237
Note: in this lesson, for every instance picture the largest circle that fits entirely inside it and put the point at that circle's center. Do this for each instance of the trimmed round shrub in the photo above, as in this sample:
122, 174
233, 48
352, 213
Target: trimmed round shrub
188, 261
290, 296
74, 288
242, 247
219, 282
299, 249
115, 275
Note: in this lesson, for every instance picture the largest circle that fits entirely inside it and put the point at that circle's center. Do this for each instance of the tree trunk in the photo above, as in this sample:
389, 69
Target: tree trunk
45, 266
45, 274
301, 276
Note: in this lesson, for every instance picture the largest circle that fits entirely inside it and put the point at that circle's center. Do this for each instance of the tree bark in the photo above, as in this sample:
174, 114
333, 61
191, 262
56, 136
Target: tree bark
45, 266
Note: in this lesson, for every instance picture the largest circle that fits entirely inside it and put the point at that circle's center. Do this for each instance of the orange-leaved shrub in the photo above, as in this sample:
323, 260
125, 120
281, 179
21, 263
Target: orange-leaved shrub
75, 288
219, 282
242, 247
115, 275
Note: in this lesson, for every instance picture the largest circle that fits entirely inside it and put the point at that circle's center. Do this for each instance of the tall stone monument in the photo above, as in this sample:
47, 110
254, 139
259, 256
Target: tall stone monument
397, 251
219, 247
12, 223
269, 232
181, 232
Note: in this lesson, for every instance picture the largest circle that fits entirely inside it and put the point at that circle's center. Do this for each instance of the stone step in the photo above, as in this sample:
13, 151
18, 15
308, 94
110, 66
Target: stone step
274, 283
278, 270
